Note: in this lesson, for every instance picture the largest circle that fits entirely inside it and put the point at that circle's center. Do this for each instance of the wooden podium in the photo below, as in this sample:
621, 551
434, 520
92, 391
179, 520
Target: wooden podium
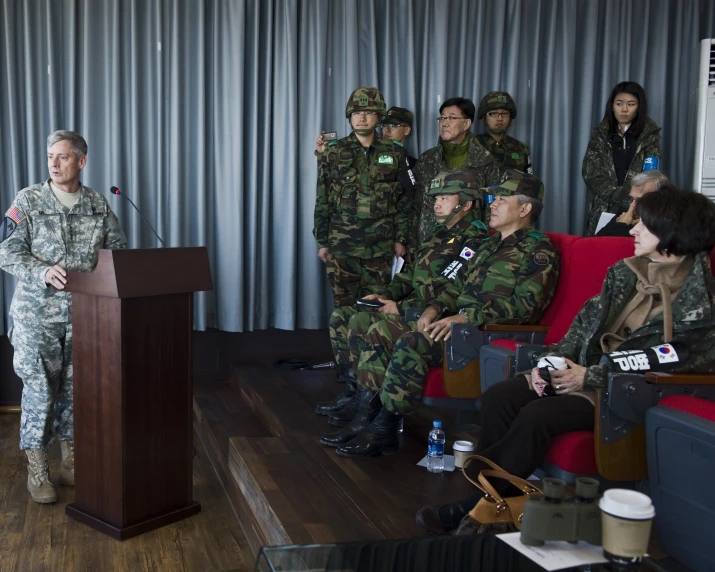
132, 357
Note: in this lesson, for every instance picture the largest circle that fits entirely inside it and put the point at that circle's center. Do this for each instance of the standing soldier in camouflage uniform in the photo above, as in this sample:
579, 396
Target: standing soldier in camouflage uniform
457, 147
508, 278
497, 110
51, 228
361, 210
458, 212
617, 150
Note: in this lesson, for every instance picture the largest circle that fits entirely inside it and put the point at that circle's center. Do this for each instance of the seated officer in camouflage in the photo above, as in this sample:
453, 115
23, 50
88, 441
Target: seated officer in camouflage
51, 228
497, 110
457, 147
361, 210
457, 208
507, 278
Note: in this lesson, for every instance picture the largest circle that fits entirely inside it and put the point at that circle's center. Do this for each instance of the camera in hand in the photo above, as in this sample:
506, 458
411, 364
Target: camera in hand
550, 517
364, 304
330, 136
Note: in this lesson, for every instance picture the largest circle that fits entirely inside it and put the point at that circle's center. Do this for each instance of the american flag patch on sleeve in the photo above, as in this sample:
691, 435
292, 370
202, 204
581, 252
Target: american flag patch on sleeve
16, 215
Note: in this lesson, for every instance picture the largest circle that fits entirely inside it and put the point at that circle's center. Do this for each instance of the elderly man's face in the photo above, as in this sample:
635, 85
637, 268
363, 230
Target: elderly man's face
637, 192
63, 164
453, 125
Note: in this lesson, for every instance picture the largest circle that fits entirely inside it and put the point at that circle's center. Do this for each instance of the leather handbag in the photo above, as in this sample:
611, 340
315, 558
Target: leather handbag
494, 513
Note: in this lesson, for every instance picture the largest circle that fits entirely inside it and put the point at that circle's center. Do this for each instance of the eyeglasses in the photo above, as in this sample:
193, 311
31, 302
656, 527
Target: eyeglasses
450, 119
394, 125
365, 113
495, 114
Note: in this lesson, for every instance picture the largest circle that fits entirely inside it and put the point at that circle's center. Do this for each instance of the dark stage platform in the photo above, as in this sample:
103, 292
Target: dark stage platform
262, 436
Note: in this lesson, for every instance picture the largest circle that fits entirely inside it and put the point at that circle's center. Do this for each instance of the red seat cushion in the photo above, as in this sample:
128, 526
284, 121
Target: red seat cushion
574, 452
693, 405
584, 263
507, 344
434, 384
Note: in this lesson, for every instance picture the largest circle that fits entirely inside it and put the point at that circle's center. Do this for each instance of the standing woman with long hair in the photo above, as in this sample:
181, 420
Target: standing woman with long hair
617, 151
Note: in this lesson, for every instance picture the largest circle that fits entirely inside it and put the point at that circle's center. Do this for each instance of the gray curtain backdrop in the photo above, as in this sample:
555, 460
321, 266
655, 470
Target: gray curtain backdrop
205, 112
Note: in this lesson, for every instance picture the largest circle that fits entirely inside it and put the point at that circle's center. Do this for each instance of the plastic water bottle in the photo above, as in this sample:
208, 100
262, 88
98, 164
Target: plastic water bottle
435, 448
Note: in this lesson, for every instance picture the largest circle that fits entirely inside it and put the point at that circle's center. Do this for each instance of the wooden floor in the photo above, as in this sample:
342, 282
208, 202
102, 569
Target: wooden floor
37, 537
262, 435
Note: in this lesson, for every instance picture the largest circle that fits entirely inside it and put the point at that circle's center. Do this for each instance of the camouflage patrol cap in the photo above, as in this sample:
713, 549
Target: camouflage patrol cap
517, 183
365, 99
463, 182
496, 100
397, 115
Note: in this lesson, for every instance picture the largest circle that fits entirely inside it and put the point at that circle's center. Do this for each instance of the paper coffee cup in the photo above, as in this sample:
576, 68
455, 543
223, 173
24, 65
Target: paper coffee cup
626, 518
462, 450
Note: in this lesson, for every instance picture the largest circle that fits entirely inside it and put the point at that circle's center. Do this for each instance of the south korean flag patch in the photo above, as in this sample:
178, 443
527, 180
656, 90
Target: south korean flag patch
467, 253
666, 353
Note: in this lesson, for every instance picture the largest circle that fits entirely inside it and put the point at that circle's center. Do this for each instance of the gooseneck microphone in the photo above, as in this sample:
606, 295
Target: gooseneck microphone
116, 191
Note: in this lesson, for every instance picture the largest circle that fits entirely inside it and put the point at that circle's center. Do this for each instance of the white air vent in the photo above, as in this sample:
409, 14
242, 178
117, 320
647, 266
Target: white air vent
704, 170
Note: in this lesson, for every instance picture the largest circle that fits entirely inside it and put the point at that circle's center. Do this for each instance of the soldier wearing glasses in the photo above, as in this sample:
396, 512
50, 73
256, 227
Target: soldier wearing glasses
361, 211
497, 110
457, 148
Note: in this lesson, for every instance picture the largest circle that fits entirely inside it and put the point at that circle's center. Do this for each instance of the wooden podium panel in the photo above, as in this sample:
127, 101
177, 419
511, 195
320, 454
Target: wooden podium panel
132, 359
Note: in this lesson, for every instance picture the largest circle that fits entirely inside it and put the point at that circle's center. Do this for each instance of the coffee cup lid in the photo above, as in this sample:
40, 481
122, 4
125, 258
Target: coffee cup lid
624, 503
463, 446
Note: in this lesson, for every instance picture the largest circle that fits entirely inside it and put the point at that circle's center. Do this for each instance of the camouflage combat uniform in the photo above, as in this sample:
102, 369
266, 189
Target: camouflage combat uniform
493, 280
430, 163
599, 173
693, 323
360, 212
347, 325
44, 233
509, 152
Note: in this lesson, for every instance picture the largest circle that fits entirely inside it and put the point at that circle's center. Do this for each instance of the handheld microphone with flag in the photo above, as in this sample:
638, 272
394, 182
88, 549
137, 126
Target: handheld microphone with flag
116, 191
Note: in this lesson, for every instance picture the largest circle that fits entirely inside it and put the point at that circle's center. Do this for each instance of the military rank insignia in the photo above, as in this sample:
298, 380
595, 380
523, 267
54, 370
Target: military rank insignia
385, 160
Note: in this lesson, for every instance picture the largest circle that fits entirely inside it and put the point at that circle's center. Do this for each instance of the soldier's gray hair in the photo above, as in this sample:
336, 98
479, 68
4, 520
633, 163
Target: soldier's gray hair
77, 142
536, 205
654, 176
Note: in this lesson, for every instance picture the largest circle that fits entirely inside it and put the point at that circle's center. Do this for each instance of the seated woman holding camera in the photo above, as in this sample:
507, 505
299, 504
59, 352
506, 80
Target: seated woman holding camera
663, 294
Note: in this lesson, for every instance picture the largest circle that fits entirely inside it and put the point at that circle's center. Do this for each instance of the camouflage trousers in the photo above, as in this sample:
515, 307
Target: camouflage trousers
394, 361
43, 360
348, 327
352, 278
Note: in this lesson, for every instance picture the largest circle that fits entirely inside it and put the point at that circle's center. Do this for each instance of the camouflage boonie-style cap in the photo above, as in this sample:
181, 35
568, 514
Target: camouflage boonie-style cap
398, 115
365, 99
496, 100
518, 183
463, 182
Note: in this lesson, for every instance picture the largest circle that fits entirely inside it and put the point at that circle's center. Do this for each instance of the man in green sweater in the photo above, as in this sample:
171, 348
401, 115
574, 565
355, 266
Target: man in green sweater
457, 148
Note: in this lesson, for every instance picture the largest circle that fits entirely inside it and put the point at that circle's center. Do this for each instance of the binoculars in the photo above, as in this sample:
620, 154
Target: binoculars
550, 517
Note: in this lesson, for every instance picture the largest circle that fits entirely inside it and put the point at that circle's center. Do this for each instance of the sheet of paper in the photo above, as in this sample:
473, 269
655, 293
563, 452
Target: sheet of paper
555, 555
603, 221
448, 462
397, 263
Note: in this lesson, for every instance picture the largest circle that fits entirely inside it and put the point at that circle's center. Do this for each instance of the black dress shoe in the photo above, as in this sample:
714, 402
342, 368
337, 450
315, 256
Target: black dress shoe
368, 406
379, 438
341, 401
427, 518
441, 519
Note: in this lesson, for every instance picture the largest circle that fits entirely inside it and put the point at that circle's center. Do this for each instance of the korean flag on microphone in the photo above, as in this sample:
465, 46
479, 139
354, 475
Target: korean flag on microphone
666, 353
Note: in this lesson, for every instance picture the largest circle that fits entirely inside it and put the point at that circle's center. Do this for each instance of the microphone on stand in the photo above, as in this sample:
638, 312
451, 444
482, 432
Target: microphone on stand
116, 191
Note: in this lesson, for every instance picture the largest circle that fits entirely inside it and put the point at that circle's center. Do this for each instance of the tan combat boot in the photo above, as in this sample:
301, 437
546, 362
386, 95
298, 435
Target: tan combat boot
38, 478
67, 466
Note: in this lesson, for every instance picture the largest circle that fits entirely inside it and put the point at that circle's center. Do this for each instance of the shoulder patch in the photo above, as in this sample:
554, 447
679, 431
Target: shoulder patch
15, 214
7, 227
385, 160
397, 143
516, 155
536, 234
542, 259
467, 253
